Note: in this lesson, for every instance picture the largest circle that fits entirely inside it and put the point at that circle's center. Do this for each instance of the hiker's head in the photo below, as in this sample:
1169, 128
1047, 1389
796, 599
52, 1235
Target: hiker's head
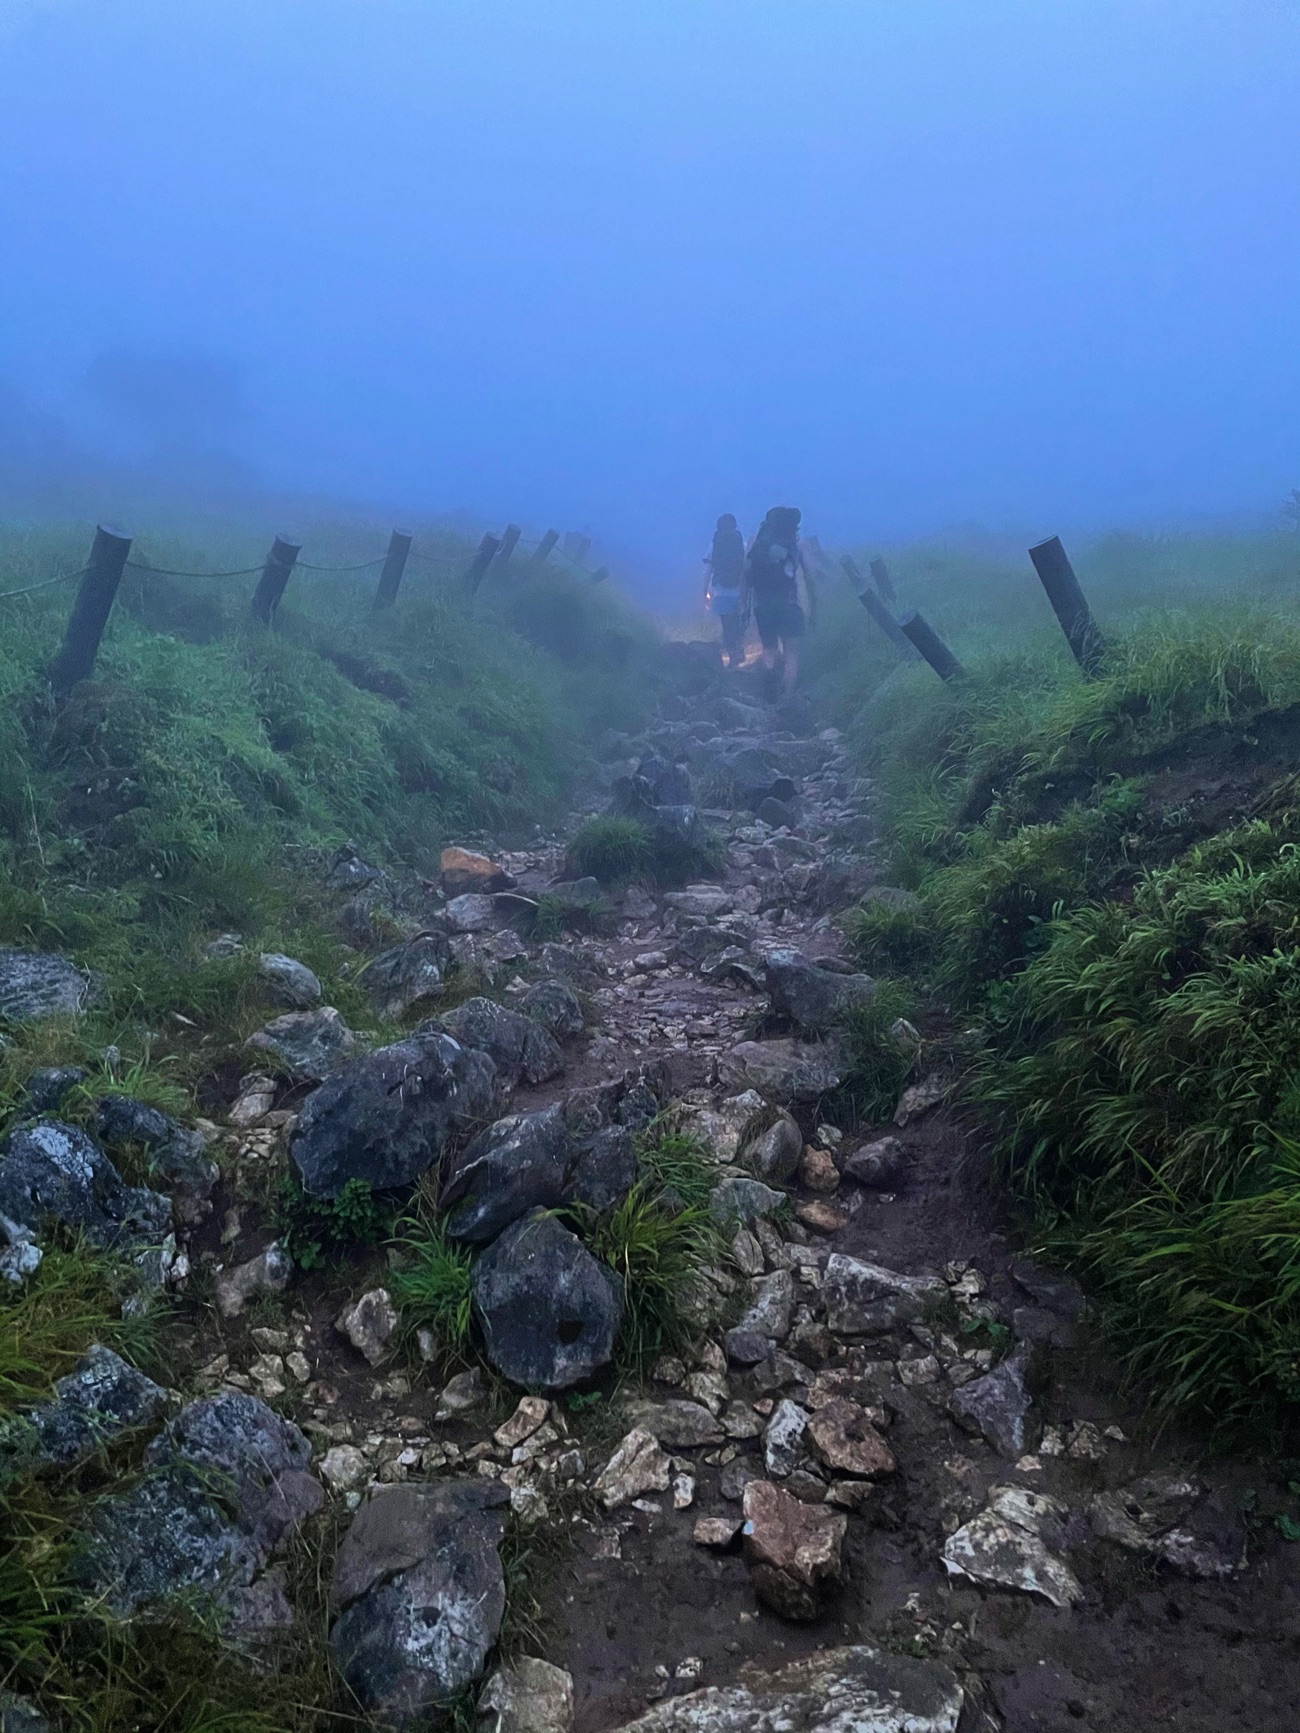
784, 520
727, 521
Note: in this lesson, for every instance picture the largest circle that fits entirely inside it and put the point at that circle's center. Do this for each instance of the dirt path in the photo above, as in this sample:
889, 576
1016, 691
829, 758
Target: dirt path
1184, 1607
1148, 1646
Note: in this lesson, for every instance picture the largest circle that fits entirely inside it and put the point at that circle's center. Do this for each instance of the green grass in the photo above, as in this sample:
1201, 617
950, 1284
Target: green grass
1135, 972
619, 851
312, 1230
879, 1064
431, 1286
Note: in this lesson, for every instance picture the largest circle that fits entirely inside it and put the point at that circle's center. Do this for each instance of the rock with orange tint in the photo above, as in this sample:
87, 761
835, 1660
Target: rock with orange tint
792, 1549
462, 871
842, 1435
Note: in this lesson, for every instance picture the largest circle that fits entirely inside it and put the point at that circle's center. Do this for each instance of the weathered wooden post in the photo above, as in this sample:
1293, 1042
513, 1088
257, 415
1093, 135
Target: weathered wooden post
877, 609
1069, 604
487, 551
95, 596
581, 548
542, 552
600, 574
275, 575
884, 583
931, 646
509, 541
390, 579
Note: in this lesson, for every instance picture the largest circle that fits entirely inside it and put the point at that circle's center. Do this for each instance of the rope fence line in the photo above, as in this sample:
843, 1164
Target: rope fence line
45, 584
110, 558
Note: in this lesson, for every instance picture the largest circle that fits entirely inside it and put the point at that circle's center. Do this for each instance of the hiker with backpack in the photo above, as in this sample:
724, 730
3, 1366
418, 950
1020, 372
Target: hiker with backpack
773, 568
726, 566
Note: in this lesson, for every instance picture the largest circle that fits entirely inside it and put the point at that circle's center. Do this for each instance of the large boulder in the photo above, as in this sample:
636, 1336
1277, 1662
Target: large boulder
865, 1299
521, 1050
418, 1594
228, 1482
49, 1170
516, 1165
101, 1397
406, 976
38, 984
384, 1119
813, 997
549, 1311
308, 1044
785, 1071
771, 1146
852, 1690
462, 871
534, 1160
178, 1157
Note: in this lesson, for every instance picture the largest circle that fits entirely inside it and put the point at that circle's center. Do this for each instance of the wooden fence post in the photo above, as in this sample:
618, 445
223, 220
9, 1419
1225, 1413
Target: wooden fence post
487, 550
581, 548
600, 574
931, 646
390, 579
878, 611
95, 596
884, 583
275, 575
509, 542
1069, 604
543, 550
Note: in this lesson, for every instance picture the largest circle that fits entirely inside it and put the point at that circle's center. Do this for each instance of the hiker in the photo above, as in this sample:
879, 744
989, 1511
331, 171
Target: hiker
726, 564
771, 585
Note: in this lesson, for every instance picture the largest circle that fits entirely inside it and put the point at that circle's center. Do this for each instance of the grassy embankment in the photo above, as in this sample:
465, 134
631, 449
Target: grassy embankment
1107, 884
186, 791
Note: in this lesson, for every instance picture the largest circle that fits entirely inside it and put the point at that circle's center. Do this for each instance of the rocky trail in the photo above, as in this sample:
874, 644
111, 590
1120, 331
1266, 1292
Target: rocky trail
888, 1487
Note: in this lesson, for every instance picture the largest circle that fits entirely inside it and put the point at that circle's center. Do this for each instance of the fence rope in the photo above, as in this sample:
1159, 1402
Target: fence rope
167, 572
45, 584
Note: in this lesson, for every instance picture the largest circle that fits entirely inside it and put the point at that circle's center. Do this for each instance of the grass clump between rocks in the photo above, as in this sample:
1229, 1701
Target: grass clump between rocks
619, 851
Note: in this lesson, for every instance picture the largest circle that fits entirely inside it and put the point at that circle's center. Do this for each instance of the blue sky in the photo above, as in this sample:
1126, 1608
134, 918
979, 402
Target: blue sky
624, 265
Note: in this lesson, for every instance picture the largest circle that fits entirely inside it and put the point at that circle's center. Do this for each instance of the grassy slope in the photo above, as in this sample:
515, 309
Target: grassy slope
183, 793
1106, 879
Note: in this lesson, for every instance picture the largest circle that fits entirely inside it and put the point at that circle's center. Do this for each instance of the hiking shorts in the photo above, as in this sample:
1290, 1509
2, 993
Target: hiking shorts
777, 621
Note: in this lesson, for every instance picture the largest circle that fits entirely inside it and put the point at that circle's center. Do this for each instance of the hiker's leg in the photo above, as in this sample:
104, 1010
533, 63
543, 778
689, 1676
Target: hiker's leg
790, 669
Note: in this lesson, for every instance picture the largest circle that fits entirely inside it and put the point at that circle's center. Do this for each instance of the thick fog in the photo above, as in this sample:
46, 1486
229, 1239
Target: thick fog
621, 265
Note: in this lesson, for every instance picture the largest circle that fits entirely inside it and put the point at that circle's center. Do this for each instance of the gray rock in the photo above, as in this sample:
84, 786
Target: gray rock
228, 1483
35, 985
785, 1071
419, 1594
520, 1049
1005, 1546
777, 813
771, 1147
602, 1168
813, 997
554, 1005
473, 912
1046, 1329
638, 1466
746, 1347
48, 1169
406, 976
881, 1164
997, 1405
267, 1273
529, 1696
633, 1100
582, 893
45, 1089
99, 1399
385, 1118
518, 1164
703, 948
865, 1299
309, 1044
783, 1437
1051, 1289
20, 1715
178, 1158
736, 1476
369, 1323
1158, 1516
290, 982
740, 1199
679, 1424
549, 1312
20, 1257
771, 1307
700, 902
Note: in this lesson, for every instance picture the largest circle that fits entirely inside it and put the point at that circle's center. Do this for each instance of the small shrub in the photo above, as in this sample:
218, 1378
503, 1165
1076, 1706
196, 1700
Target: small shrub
878, 1063
613, 850
311, 1229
